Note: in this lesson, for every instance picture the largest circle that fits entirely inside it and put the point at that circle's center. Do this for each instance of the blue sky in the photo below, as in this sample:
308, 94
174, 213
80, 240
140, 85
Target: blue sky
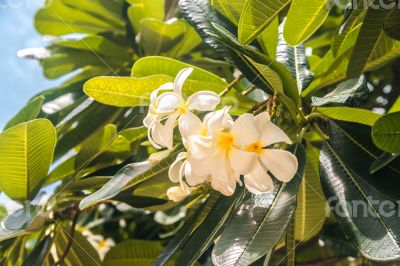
20, 78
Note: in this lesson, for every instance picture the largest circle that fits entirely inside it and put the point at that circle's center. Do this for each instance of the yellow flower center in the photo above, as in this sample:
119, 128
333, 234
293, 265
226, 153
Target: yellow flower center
225, 141
182, 109
102, 244
255, 147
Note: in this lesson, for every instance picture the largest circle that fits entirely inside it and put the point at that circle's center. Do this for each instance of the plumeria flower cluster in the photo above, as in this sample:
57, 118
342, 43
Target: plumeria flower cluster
219, 149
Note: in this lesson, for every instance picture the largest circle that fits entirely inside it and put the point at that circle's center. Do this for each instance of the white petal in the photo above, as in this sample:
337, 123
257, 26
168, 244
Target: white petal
245, 130
258, 180
159, 156
173, 172
271, 133
218, 120
191, 178
189, 125
181, 78
282, 164
149, 120
164, 87
242, 162
203, 101
168, 102
199, 167
221, 180
163, 134
176, 194
200, 147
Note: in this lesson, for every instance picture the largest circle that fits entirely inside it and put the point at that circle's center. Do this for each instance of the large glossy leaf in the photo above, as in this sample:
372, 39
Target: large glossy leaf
299, 28
180, 239
207, 231
370, 228
81, 253
159, 37
95, 44
141, 9
294, 58
392, 24
259, 222
22, 222
311, 204
256, 16
201, 16
350, 114
355, 9
334, 69
265, 66
130, 175
353, 143
57, 18
80, 124
29, 112
386, 132
156, 65
383, 160
231, 9
133, 252
367, 40
351, 92
38, 255
123, 91
26, 152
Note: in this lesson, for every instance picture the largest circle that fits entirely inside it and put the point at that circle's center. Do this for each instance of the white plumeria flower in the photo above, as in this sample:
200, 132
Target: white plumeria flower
220, 149
176, 193
282, 164
186, 166
101, 244
172, 107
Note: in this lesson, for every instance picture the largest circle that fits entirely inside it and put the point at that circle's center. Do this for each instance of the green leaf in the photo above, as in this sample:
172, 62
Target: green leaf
395, 107
141, 9
26, 152
207, 231
351, 20
38, 255
65, 60
256, 16
353, 143
135, 133
133, 252
386, 132
367, 40
123, 91
231, 9
95, 44
156, 65
350, 92
128, 176
159, 37
29, 112
334, 70
194, 218
57, 19
373, 230
259, 222
299, 28
311, 206
80, 124
350, 114
383, 160
268, 39
22, 222
81, 253
89, 183
294, 58
392, 24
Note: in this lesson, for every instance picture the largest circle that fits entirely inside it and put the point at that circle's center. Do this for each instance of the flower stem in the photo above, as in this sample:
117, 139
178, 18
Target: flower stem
230, 86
